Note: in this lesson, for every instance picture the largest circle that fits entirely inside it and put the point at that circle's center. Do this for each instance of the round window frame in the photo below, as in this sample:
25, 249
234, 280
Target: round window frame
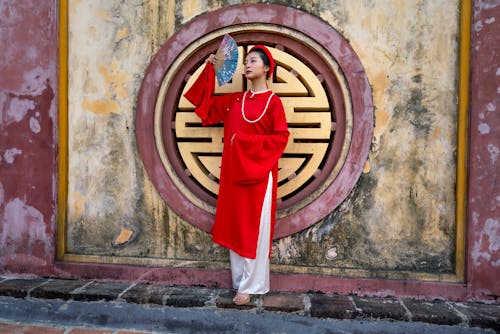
299, 46
314, 28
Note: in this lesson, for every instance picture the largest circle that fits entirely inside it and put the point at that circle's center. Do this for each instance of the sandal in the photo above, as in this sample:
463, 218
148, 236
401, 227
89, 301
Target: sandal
242, 298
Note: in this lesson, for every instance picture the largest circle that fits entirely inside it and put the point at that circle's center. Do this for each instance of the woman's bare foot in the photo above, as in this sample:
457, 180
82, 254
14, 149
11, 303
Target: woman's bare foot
242, 298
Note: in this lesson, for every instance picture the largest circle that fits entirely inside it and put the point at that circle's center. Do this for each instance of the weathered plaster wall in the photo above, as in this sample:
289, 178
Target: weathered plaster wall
484, 160
28, 114
108, 187
404, 201
401, 216
104, 176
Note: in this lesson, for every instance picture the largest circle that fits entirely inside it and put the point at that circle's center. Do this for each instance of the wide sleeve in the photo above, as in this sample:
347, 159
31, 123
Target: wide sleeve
256, 154
210, 108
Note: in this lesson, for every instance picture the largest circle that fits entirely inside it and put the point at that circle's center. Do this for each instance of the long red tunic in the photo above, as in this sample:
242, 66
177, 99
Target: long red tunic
246, 161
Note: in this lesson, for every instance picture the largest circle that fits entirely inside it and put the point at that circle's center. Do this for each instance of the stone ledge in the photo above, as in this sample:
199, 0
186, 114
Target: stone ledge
437, 312
337, 307
480, 315
146, 294
380, 308
188, 297
312, 304
20, 287
95, 291
283, 302
57, 289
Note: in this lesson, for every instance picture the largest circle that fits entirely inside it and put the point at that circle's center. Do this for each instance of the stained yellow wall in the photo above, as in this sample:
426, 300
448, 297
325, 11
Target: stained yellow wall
401, 215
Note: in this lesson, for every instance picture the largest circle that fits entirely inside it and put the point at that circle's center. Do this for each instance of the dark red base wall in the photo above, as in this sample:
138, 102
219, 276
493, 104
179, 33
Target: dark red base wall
28, 135
483, 220
28, 169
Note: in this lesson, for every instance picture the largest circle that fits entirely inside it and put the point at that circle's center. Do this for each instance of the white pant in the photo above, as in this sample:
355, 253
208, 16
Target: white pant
252, 275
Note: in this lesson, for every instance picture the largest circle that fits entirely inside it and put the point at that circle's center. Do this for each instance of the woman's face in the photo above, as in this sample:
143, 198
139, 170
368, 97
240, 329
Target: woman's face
254, 66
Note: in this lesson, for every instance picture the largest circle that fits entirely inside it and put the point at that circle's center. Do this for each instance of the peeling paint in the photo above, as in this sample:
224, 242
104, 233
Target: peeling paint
285, 250
34, 125
29, 233
194, 8
487, 246
485, 5
493, 150
478, 26
28, 110
76, 206
483, 128
10, 154
115, 81
492, 230
366, 167
14, 108
102, 107
380, 98
32, 53
105, 15
36, 80
121, 34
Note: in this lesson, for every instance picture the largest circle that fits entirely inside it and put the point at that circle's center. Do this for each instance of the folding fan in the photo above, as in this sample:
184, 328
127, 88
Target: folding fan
226, 60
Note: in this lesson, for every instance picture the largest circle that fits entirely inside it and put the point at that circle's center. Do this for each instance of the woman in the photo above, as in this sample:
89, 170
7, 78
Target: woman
255, 136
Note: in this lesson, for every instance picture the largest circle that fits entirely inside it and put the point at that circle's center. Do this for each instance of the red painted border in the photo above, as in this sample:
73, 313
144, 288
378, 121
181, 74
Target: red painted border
483, 209
309, 25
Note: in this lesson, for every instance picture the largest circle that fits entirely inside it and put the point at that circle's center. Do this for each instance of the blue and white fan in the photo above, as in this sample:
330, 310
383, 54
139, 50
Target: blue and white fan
226, 60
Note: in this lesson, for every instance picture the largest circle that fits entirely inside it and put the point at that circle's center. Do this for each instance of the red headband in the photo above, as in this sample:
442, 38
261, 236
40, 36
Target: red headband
269, 56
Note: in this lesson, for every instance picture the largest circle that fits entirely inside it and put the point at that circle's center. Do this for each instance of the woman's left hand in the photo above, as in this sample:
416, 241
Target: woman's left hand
211, 59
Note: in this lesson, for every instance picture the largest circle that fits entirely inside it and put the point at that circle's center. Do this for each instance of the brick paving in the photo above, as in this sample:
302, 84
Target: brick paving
30, 329
312, 305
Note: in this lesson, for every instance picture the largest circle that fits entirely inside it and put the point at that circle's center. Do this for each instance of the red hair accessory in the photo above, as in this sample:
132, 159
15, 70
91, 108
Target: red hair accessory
269, 56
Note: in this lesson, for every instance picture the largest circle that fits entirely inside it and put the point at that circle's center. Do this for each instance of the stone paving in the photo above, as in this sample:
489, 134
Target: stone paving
309, 305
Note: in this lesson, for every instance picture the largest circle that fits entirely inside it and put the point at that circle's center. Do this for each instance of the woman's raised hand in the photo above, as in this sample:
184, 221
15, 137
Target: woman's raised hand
211, 58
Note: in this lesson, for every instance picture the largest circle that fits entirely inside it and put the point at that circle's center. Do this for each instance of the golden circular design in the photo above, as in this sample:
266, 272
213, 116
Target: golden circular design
307, 108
